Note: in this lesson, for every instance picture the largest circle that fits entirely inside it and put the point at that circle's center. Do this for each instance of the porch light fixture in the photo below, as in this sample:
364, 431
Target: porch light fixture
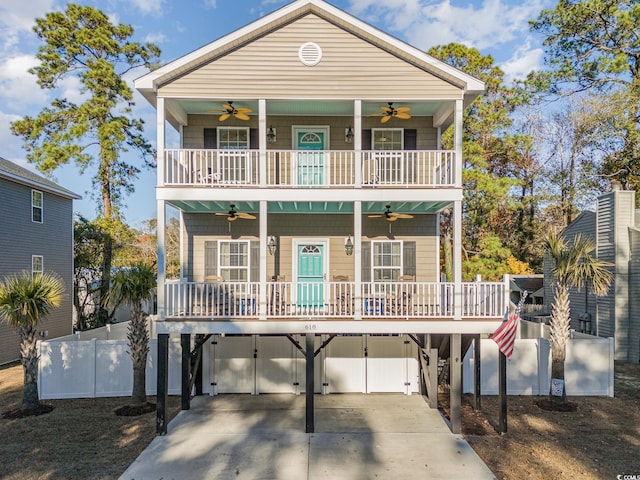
348, 246
271, 135
348, 135
272, 245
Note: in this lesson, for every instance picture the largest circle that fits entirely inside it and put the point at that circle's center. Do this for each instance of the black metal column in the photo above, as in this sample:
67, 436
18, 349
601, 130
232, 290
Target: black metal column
310, 383
455, 382
185, 344
162, 384
502, 392
476, 372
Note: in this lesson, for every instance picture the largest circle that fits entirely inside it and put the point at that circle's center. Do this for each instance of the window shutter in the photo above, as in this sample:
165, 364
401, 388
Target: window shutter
366, 261
210, 258
409, 258
210, 138
254, 259
366, 139
254, 139
410, 139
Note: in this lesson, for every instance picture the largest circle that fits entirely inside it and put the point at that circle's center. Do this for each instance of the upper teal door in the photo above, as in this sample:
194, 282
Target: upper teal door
310, 276
311, 164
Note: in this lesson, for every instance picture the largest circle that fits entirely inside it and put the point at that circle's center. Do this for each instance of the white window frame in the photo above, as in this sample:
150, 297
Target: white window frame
229, 268
375, 267
221, 146
375, 132
35, 207
34, 260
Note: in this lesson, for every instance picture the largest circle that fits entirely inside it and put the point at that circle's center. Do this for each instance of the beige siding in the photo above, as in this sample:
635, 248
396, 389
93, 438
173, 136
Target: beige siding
203, 227
350, 68
193, 133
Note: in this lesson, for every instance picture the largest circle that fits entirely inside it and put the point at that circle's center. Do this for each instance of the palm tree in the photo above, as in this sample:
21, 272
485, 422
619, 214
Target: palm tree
24, 300
132, 287
574, 267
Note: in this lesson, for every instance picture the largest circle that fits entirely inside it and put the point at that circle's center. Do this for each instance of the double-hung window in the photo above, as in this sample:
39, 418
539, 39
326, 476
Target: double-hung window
234, 160
37, 265
386, 261
36, 206
234, 261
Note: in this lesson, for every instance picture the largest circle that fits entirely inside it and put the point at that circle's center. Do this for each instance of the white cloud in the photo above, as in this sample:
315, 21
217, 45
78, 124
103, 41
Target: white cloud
17, 86
154, 7
11, 145
524, 60
18, 18
210, 3
157, 37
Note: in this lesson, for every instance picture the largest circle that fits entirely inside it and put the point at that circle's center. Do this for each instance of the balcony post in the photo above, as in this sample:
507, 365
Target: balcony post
262, 142
357, 260
457, 143
457, 260
160, 140
262, 292
357, 142
160, 233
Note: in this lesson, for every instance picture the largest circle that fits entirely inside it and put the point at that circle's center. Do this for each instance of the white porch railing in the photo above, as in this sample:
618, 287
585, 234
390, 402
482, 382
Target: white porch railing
333, 300
310, 169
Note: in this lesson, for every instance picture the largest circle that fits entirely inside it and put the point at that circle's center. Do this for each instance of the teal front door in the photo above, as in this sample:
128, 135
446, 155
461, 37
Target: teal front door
310, 158
310, 277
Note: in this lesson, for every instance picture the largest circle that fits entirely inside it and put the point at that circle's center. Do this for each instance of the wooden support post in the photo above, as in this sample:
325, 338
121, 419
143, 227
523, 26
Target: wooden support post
455, 382
198, 364
162, 384
476, 372
502, 392
310, 384
185, 343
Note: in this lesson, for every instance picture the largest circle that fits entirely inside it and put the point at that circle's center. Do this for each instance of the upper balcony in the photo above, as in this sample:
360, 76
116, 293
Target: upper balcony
252, 168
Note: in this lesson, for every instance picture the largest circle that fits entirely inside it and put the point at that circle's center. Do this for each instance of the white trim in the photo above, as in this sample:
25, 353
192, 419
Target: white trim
321, 326
41, 206
295, 129
33, 271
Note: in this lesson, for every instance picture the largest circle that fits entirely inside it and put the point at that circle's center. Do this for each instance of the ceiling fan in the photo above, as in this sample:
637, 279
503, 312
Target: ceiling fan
390, 111
232, 215
390, 216
228, 110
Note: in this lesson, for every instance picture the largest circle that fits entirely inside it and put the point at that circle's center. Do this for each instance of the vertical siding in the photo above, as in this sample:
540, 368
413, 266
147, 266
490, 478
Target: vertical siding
606, 252
203, 227
20, 238
634, 293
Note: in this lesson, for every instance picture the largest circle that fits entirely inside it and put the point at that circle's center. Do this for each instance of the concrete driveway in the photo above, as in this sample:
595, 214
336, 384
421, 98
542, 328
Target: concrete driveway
385, 436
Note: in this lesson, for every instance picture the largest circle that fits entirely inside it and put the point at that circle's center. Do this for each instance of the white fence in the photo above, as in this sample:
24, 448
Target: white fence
99, 368
588, 367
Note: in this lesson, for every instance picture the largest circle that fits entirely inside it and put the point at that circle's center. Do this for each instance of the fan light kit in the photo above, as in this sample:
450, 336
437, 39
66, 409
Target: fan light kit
390, 111
228, 110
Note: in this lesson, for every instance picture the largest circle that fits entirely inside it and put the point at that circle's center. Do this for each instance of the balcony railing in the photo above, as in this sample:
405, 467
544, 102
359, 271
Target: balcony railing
408, 300
310, 169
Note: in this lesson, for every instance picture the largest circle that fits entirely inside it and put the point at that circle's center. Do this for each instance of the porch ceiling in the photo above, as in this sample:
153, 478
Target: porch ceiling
310, 207
307, 107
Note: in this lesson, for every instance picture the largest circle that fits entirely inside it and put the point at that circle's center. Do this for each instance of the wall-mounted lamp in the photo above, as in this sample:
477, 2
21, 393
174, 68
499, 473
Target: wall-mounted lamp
348, 246
271, 135
348, 135
272, 245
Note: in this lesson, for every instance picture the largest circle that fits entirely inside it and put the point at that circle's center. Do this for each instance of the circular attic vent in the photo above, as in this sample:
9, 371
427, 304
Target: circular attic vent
310, 54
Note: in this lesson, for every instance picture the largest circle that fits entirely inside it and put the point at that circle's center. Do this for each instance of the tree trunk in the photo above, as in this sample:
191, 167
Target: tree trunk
138, 337
560, 322
29, 359
105, 283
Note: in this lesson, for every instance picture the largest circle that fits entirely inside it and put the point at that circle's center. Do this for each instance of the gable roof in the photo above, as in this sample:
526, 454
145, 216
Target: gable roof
15, 173
149, 83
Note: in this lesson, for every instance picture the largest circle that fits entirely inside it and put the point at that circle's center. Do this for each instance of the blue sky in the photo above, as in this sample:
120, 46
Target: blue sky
496, 27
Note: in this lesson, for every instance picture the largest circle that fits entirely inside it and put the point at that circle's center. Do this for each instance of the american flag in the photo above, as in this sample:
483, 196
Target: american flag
505, 335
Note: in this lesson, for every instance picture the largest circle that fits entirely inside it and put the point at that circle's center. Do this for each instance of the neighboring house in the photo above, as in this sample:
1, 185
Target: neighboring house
36, 234
308, 202
615, 229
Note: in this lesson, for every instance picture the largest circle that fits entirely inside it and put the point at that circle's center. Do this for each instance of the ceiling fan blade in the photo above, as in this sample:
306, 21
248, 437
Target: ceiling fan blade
244, 110
376, 215
386, 109
246, 216
227, 107
241, 116
385, 119
403, 116
219, 214
232, 218
223, 117
391, 218
375, 114
402, 215
403, 109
